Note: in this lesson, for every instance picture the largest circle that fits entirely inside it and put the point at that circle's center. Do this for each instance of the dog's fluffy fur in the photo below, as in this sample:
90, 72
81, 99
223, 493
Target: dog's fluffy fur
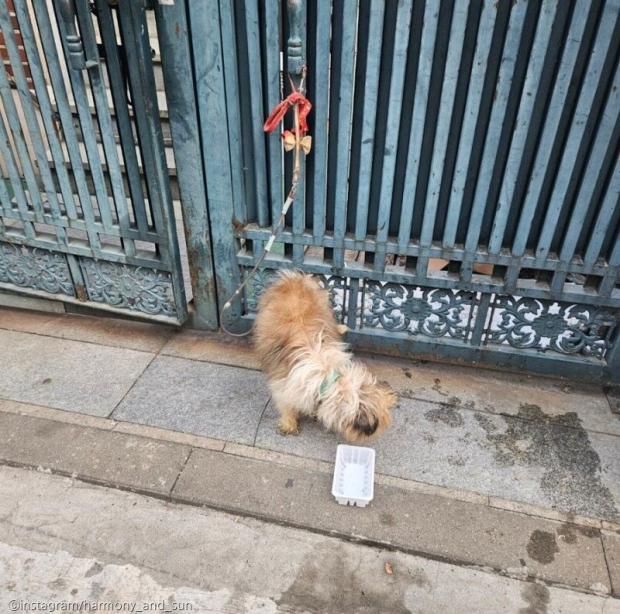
299, 343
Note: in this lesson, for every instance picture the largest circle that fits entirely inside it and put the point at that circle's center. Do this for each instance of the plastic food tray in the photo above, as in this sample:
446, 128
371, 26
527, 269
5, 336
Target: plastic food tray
354, 475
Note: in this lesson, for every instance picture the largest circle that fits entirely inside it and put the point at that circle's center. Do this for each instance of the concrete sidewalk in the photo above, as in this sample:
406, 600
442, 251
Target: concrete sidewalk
516, 474
66, 542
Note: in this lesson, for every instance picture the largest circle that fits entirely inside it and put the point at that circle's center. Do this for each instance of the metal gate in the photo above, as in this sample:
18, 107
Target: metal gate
461, 198
86, 208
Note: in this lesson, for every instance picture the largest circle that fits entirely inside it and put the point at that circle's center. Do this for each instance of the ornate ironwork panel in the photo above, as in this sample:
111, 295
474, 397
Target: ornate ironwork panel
545, 325
141, 289
433, 312
35, 268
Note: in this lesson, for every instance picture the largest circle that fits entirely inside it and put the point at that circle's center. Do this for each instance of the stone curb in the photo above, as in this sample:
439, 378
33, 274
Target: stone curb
247, 451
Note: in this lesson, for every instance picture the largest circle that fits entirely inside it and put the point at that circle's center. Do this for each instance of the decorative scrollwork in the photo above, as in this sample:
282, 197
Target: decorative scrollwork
254, 290
548, 325
129, 287
32, 267
336, 287
434, 312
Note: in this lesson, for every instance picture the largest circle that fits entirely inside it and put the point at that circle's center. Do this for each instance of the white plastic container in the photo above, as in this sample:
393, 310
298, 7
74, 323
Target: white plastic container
354, 475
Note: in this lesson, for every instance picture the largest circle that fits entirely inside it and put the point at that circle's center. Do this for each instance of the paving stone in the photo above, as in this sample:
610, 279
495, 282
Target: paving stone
497, 392
446, 528
212, 347
64, 374
102, 455
611, 544
197, 397
115, 332
548, 462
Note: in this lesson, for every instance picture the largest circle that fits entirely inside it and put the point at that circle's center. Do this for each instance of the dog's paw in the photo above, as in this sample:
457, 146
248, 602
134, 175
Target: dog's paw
343, 329
287, 428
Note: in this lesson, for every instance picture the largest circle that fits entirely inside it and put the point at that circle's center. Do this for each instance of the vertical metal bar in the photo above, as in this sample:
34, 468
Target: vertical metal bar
609, 281
48, 42
256, 102
371, 92
144, 96
526, 108
450, 79
491, 142
608, 24
88, 132
173, 34
321, 111
16, 181
550, 132
118, 89
296, 54
5, 199
272, 63
19, 141
481, 318
233, 97
601, 149
397, 86
30, 117
470, 119
345, 109
106, 130
608, 209
208, 59
353, 299
45, 108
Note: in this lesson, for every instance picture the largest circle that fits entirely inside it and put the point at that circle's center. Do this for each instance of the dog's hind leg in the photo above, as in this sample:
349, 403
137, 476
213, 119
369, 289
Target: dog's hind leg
289, 421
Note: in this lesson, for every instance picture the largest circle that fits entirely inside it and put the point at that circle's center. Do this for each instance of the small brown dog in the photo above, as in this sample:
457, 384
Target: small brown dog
309, 368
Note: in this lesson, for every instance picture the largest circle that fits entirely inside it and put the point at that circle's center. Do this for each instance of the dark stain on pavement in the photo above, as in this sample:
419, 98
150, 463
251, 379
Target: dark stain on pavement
48, 428
542, 546
537, 598
485, 422
328, 581
437, 387
419, 578
561, 447
456, 460
568, 532
445, 413
58, 584
94, 569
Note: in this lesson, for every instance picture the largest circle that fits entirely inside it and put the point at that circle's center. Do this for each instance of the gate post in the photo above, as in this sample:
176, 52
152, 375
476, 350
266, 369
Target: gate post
173, 33
613, 360
210, 89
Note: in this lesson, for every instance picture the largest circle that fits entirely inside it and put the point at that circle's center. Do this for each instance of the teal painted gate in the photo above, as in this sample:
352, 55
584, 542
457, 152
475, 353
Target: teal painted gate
461, 198
86, 212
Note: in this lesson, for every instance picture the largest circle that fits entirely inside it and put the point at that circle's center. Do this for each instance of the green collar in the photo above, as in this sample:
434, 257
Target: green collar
332, 377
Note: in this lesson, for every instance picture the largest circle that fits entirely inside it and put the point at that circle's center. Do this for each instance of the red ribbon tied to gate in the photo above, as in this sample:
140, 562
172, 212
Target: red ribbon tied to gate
275, 117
